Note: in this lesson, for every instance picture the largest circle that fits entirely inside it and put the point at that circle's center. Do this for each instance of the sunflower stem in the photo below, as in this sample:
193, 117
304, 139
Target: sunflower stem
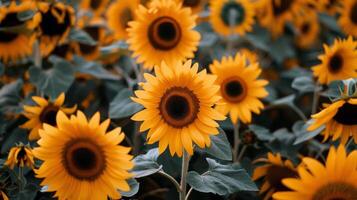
184, 170
236, 141
21, 178
241, 153
172, 179
315, 98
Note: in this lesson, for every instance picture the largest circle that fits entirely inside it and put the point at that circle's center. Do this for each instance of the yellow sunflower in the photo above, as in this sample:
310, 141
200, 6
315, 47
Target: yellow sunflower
20, 156
348, 18
119, 14
97, 7
339, 118
338, 62
331, 7
10, 40
196, 5
250, 55
81, 160
178, 107
239, 87
307, 28
335, 180
221, 12
57, 20
163, 32
274, 171
44, 113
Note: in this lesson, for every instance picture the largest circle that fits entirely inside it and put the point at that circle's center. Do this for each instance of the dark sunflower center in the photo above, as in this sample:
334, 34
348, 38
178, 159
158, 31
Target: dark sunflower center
336, 63
83, 159
87, 49
305, 28
10, 20
281, 6
191, 3
61, 50
164, 33
353, 14
95, 4
346, 114
125, 17
179, 106
48, 115
22, 154
93, 31
336, 191
234, 89
276, 174
51, 26
227, 13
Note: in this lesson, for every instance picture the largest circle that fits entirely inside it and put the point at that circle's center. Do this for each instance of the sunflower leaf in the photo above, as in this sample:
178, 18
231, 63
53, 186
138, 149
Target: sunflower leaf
82, 37
17, 136
261, 132
25, 15
303, 84
122, 106
10, 97
220, 147
302, 134
134, 188
93, 68
54, 81
146, 164
221, 179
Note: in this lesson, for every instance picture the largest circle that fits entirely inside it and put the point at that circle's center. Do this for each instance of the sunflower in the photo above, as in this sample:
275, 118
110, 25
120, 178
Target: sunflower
331, 7
178, 107
10, 40
81, 160
250, 55
119, 14
348, 18
3, 195
44, 113
57, 20
97, 7
335, 180
339, 61
221, 12
307, 28
97, 31
239, 87
339, 118
274, 171
164, 31
20, 156
196, 5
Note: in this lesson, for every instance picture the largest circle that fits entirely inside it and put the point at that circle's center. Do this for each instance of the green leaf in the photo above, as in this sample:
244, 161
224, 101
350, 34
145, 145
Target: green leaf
330, 22
288, 100
220, 147
28, 193
134, 188
146, 164
18, 135
25, 15
302, 134
303, 84
262, 133
54, 81
259, 37
119, 46
122, 106
93, 68
82, 37
10, 97
281, 49
221, 179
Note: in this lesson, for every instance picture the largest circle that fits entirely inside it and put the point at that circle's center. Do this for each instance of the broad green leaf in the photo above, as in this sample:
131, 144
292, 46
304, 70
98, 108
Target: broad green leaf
92, 68
281, 49
221, 179
28, 193
303, 84
302, 134
329, 21
288, 100
262, 133
146, 164
82, 37
119, 46
220, 147
10, 97
122, 106
54, 81
17, 136
134, 188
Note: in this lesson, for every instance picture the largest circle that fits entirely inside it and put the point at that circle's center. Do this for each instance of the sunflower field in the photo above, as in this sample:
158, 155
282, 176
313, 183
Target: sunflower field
178, 99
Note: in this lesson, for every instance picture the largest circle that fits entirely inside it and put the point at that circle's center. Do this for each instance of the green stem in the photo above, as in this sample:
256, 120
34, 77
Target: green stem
241, 153
177, 185
21, 178
184, 170
236, 140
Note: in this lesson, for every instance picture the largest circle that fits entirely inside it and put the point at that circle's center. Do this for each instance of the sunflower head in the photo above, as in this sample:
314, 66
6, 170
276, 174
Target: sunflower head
239, 87
339, 118
274, 170
348, 18
334, 180
338, 62
81, 153
97, 7
20, 156
57, 20
10, 39
119, 14
308, 29
164, 31
43, 113
232, 16
196, 5
178, 107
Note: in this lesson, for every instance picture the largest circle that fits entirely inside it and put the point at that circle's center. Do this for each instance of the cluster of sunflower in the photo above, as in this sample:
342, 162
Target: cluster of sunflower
97, 96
